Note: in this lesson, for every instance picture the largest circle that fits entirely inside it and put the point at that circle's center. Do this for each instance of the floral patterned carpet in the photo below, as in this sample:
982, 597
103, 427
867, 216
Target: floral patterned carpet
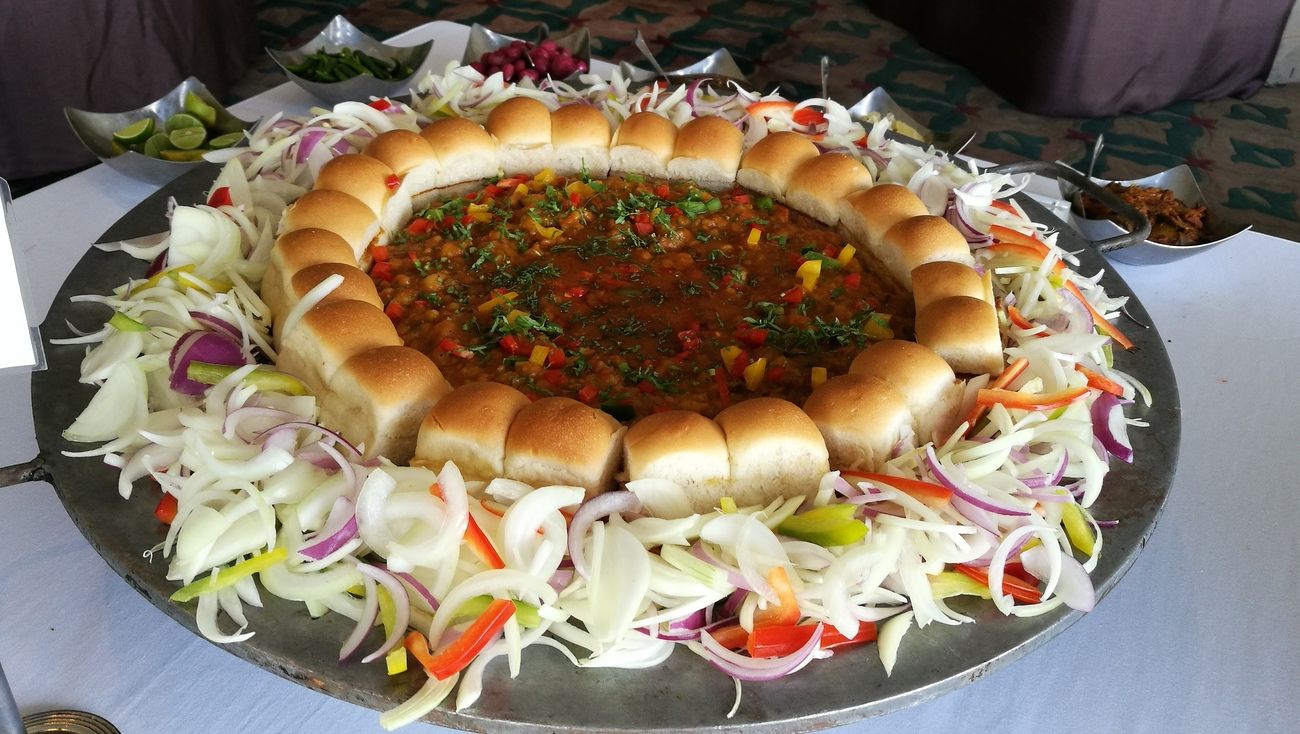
1243, 152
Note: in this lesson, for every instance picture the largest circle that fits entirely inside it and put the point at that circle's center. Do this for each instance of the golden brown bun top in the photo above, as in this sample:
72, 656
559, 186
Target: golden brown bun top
830, 176
350, 327
521, 121
902, 364
394, 375
885, 205
300, 248
965, 331
356, 285
710, 138
579, 125
336, 211
456, 136
563, 430
864, 403
401, 150
779, 154
478, 409
928, 238
672, 432
648, 130
362, 176
761, 419
943, 278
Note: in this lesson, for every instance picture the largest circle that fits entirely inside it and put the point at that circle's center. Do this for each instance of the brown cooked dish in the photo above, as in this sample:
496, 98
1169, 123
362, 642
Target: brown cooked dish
1172, 222
632, 294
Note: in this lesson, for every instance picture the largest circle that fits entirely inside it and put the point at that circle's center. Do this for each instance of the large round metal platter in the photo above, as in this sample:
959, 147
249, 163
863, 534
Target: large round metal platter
685, 693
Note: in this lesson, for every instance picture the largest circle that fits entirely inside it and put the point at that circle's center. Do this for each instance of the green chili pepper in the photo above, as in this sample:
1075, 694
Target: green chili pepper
474, 607
827, 526
228, 576
264, 378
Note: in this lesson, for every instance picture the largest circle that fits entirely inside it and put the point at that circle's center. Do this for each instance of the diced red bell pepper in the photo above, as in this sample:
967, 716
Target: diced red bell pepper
774, 374
454, 348
459, 654
689, 339
381, 271
554, 378
165, 510
394, 310
739, 364
853, 280
381, 104
588, 394
740, 198
555, 358
577, 291
661, 190
418, 226
447, 221
513, 345
754, 337
1016, 588
220, 197
724, 393
794, 295
732, 637
379, 253
393, 181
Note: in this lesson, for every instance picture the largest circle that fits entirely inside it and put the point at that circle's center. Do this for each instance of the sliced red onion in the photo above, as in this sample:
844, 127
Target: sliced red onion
334, 436
1081, 320
401, 609
976, 515
734, 577
691, 89
742, 667
1040, 480
368, 613
219, 325
937, 471
845, 489
307, 144
340, 528
1107, 523
1073, 585
157, 265
1110, 428
880, 160
419, 588
685, 629
238, 415
957, 217
731, 605
692, 621
207, 346
342, 147
602, 505
561, 579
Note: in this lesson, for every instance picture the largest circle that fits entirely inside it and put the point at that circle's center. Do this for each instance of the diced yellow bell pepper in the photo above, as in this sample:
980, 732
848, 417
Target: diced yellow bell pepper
877, 327
497, 300
538, 355
754, 373
729, 355
847, 254
544, 176
818, 377
755, 235
808, 273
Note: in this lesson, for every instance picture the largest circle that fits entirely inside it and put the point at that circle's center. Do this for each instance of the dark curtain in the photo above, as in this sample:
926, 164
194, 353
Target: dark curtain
1088, 58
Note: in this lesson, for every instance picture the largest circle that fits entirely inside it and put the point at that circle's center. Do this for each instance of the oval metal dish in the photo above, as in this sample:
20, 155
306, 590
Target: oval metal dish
684, 694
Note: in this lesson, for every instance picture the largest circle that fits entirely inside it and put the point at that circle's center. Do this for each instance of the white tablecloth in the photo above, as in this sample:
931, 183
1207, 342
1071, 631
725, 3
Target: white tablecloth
1201, 636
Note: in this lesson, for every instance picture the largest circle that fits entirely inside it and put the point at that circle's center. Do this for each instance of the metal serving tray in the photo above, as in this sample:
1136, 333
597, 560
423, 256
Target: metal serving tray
683, 695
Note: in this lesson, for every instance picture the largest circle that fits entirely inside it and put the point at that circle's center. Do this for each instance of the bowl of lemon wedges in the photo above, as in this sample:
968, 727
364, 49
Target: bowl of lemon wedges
160, 141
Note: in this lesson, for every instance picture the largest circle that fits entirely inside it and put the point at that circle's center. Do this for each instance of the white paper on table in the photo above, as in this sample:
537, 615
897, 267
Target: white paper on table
17, 346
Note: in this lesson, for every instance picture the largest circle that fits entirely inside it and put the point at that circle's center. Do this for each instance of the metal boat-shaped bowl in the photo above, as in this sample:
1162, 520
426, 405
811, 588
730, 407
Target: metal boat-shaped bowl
341, 34
1178, 180
95, 130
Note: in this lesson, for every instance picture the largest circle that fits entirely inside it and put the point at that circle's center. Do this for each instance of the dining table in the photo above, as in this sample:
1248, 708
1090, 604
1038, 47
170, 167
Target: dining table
1201, 636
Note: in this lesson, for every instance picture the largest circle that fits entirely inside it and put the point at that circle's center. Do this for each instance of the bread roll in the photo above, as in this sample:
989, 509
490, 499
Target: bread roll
379, 397
409, 156
643, 144
340, 213
819, 184
469, 426
328, 335
866, 215
766, 167
862, 418
964, 331
919, 240
562, 441
942, 278
362, 176
356, 286
933, 393
580, 137
522, 127
683, 447
294, 251
466, 152
707, 152
774, 448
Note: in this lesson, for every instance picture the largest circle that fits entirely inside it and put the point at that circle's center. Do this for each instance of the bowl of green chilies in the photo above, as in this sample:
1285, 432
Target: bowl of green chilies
344, 64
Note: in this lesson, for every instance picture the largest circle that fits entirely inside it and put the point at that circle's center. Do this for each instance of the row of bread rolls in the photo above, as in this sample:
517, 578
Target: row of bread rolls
383, 394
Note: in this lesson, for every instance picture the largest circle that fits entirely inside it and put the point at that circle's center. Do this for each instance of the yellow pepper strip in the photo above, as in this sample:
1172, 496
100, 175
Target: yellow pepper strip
847, 254
1077, 529
729, 355
754, 373
544, 176
538, 355
228, 576
808, 273
727, 505
952, 583
158, 277
755, 234
480, 212
877, 327
818, 377
189, 281
520, 192
396, 658
495, 301
122, 322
